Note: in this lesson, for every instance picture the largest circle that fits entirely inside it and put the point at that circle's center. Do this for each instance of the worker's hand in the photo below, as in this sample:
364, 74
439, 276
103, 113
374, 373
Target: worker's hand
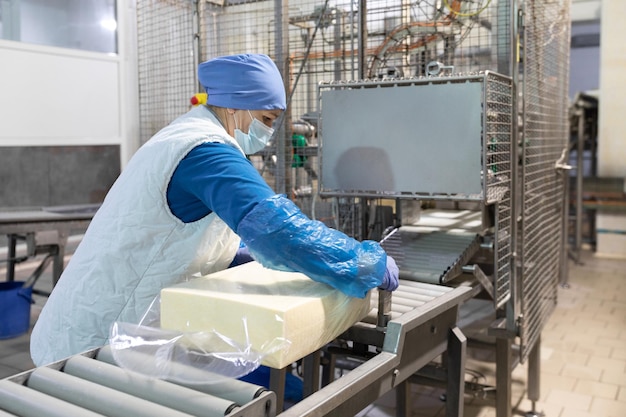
390, 280
241, 257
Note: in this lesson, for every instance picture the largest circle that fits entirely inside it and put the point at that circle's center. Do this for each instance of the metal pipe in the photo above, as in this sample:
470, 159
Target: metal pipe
504, 364
362, 39
412, 294
384, 308
217, 385
579, 181
431, 277
150, 389
25, 402
534, 373
95, 397
422, 288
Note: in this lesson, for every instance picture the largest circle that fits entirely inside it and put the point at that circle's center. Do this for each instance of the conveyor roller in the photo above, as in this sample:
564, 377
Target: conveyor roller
432, 257
86, 385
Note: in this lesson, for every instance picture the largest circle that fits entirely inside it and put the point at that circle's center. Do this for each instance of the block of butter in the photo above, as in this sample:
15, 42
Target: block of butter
274, 305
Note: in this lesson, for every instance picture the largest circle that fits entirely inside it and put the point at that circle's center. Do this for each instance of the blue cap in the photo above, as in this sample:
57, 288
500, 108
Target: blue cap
245, 82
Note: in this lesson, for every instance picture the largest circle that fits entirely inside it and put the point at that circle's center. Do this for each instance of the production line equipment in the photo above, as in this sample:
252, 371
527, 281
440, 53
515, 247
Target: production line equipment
436, 138
446, 140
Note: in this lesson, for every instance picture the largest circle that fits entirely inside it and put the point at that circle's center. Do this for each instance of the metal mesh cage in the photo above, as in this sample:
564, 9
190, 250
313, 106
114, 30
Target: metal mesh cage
165, 33
545, 75
498, 144
311, 42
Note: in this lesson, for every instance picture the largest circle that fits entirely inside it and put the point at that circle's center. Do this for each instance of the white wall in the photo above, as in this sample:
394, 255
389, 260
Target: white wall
612, 121
56, 96
53, 96
586, 10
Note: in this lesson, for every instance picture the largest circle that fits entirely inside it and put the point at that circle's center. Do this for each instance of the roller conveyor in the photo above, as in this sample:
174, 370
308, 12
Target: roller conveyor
87, 385
434, 257
423, 327
407, 297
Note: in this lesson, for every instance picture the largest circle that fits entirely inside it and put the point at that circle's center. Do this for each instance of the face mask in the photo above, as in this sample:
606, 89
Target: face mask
257, 137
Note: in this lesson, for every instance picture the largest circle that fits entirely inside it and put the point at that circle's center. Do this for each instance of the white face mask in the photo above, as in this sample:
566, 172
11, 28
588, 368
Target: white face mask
257, 137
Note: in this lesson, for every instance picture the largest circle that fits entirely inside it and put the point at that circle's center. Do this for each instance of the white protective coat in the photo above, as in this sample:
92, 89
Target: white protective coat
134, 247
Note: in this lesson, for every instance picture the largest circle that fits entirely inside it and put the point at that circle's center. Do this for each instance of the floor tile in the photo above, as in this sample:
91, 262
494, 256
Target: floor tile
571, 399
596, 389
571, 412
621, 396
608, 408
614, 376
581, 372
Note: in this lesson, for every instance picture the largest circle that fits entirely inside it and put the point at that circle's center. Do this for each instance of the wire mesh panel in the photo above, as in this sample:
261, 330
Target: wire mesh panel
499, 154
165, 33
545, 102
403, 37
350, 40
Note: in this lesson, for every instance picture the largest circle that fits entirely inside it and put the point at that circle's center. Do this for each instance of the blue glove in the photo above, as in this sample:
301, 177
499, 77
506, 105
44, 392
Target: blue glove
390, 280
242, 256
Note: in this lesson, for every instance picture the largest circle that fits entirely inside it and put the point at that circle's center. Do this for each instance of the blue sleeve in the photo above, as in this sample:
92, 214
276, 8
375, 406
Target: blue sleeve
215, 177
281, 237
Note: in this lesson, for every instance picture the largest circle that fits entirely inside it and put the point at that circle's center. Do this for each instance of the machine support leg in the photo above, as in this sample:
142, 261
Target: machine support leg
403, 398
11, 254
278, 377
504, 363
328, 370
311, 371
534, 372
457, 344
59, 261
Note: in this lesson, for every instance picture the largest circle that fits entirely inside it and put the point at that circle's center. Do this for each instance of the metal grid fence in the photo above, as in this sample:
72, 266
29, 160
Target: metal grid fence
325, 41
545, 75
165, 33
499, 150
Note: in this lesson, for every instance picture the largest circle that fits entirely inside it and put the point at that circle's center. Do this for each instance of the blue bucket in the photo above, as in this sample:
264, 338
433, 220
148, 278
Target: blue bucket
15, 301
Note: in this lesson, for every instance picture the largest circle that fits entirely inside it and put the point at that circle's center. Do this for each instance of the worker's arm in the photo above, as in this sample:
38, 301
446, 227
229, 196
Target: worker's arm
217, 178
281, 237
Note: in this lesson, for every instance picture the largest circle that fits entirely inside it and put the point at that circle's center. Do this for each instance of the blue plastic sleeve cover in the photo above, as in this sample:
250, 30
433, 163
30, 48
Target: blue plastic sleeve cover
281, 237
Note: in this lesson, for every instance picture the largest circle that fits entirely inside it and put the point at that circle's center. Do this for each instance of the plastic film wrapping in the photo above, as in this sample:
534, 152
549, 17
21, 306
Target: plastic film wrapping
230, 322
287, 315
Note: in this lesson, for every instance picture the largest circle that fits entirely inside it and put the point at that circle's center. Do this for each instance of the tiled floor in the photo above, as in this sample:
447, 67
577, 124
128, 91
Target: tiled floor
583, 354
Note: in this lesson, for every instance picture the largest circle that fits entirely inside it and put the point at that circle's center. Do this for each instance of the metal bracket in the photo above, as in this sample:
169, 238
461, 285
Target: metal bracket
435, 67
498, 329
484, 280
560, 163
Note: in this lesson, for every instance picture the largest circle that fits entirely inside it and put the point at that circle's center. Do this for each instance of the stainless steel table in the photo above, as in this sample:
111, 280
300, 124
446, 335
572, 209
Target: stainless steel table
44, 230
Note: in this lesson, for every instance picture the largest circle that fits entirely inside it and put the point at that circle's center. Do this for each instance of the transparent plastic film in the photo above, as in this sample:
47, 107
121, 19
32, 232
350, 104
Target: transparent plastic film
185, 357
269, 317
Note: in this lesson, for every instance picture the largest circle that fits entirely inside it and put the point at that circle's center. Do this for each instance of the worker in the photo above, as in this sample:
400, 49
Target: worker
184, 204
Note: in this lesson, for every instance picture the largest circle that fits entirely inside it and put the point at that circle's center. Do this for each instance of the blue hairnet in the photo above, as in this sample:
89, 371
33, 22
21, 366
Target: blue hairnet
246, 82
